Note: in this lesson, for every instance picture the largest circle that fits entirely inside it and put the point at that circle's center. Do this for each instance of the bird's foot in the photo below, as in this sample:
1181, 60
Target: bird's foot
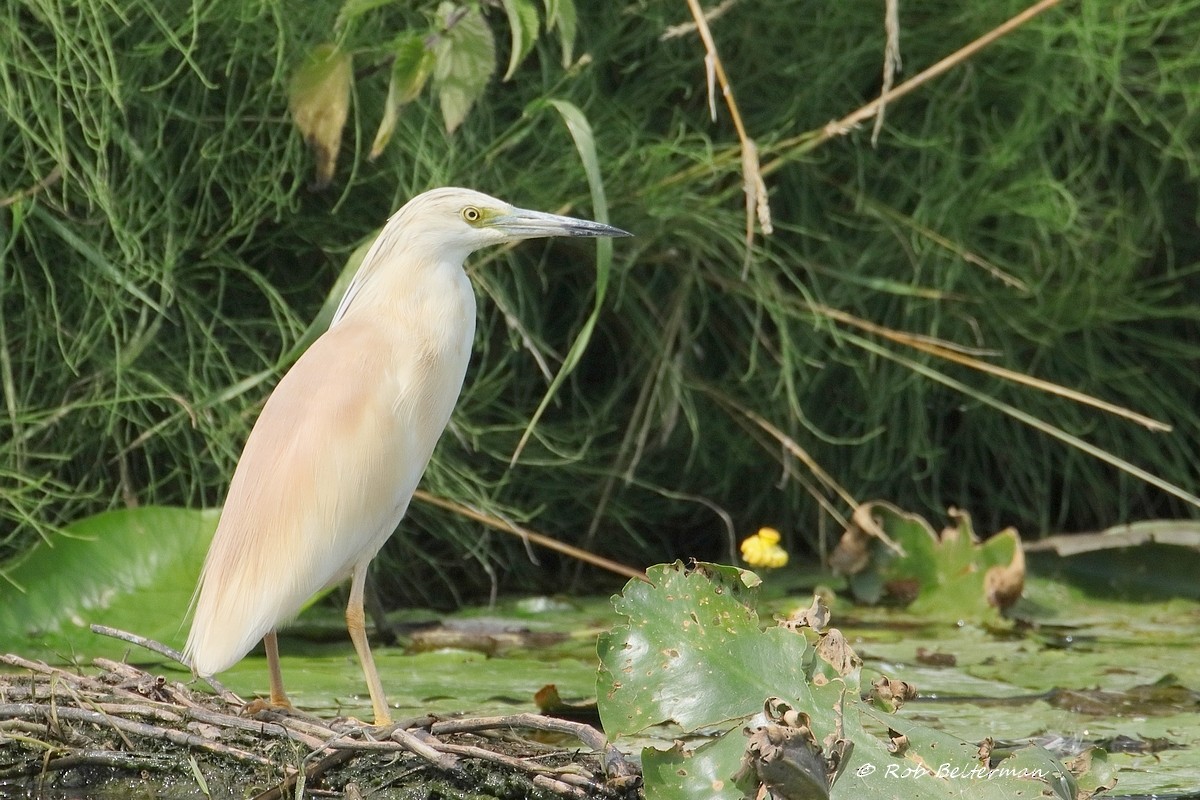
274, 705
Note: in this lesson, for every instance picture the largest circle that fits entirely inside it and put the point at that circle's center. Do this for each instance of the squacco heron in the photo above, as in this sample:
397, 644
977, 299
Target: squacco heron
332, 462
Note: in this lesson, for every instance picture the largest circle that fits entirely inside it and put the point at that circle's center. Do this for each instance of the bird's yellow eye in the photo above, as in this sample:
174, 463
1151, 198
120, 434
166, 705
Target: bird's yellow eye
472, 214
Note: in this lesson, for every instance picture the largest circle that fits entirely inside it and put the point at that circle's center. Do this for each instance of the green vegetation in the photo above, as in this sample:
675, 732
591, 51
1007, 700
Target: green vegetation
693, 655
891, 555
130, 569
161, 256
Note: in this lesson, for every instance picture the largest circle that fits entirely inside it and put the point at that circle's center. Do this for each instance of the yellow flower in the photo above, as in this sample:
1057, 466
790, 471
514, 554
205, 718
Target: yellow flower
763, 550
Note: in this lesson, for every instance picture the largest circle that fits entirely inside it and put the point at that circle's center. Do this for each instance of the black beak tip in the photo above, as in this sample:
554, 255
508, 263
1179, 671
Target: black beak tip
601, 229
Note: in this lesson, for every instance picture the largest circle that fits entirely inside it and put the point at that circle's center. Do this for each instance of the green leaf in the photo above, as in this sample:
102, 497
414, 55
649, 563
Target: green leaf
561, 14
412, 67
585, 145
410, 72
942, 576
692, 653
133, 569
351, 10
683, 774
387, 122
523, 22
937, 764
465, 59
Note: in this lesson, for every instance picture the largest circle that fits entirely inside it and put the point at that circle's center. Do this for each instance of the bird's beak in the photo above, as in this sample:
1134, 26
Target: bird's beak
521, 223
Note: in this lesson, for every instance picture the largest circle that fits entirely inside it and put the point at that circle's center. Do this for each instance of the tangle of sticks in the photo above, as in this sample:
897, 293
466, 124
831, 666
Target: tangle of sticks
118, 720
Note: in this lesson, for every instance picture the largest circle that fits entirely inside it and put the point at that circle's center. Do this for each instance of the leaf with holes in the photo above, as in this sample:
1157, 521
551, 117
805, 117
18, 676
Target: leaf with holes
692, 658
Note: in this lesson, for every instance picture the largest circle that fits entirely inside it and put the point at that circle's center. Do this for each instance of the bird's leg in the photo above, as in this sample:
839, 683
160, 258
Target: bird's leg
358, 634
279, 698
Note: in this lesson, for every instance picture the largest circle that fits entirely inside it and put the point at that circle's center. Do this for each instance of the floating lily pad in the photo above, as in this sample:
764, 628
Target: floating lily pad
133, 569
692, 653
891, 554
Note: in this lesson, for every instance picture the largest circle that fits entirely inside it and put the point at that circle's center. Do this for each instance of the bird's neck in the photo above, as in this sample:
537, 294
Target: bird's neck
396, 273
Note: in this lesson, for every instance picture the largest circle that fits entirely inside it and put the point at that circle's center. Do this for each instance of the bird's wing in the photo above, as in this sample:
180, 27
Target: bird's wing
326, 475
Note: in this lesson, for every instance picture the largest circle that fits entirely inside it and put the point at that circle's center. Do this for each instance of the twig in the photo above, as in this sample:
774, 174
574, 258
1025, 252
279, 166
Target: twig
30, 729
785, 151
753, 185
810, 140
69, 711
39, 668
143, 642
525, 533
14, 660
80, 701
432, 753
169, 652
87, 758
891, 60
558, 780
152, 710
534, 722
563, 788
483, 754
52, 177
49, 714
255, 726
309, 726
949, 352
614, 762
686, 28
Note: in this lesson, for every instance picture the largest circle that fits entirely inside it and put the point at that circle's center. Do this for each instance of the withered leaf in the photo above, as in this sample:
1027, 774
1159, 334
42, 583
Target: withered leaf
889, 693
897, 742
815, 616
319, 99
837, 652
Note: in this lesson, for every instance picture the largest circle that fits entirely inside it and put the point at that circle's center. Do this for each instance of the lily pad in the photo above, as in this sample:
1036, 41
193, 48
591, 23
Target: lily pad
692, 653
1148, 560
891, 554
133, 569
683, 773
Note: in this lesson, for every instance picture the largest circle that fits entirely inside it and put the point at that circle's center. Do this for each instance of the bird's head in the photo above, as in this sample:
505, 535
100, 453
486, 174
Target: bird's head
442, 227
461, 221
